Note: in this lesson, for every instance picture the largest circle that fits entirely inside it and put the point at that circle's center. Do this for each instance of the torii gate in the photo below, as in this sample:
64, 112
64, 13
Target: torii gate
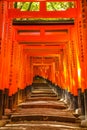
67, 43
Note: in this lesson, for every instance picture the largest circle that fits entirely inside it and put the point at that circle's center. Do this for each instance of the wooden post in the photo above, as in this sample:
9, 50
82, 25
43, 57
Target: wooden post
1, 92
3, 51
81, 101
84, 25
53, 72
6, 97
81, 66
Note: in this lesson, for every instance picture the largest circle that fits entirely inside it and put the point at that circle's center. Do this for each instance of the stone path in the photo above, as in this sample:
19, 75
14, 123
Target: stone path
42, 111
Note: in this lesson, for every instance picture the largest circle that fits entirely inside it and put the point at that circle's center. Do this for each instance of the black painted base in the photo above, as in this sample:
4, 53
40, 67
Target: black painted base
6, 97
75, 102
10, 102
85, 101
81, 101
20, 92
1, 103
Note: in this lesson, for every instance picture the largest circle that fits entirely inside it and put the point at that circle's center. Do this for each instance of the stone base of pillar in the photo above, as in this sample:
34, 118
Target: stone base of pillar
82, 117
84, 123
77, 113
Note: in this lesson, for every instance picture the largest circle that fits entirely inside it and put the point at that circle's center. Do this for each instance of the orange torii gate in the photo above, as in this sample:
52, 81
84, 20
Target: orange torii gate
71, 54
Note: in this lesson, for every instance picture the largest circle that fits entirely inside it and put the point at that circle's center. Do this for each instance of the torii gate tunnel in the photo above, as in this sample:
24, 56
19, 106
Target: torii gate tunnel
55, 51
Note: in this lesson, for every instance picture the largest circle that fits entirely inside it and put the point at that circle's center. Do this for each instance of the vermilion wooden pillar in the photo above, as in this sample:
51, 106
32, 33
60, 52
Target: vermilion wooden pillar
49, 73
62, 67
68, 68
6, 63
1, 26
74, 50
16, 72
31, 70
84, 45
56, 69
53, 72
60, 71
29, 77
67, 72
22, 71
1, 92
3, 51
81, 45
10, 58
27, 70
81, 59
81, 64
4, 45
69, 76
71, 61
25, 74
66, 75
84, 23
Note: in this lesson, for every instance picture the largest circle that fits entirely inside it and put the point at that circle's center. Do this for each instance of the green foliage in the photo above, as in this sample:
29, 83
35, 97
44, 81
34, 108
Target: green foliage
24, 6
59, 5
34, 6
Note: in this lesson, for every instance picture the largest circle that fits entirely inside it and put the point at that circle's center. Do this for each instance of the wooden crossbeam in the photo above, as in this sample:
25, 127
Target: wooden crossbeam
42, 34
16, 13
42, 50
41, 53
40, 0
42, 47
50, 38
45, 64
44, 27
